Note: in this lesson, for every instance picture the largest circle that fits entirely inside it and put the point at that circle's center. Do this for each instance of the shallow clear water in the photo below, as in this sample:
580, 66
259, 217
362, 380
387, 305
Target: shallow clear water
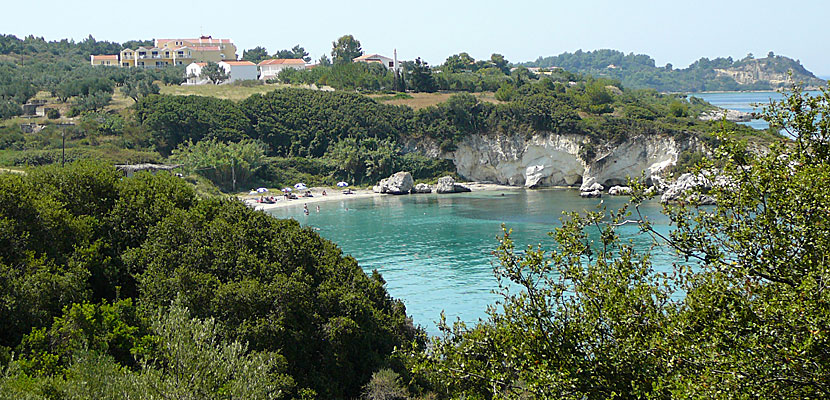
434, 251
744, 101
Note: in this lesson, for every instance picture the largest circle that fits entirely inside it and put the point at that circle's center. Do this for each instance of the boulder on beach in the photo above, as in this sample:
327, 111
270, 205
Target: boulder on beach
398, 183
422, 188
446, 184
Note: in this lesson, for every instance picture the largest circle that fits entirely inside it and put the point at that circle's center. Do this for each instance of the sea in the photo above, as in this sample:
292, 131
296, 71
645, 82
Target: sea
436, 251
745, 101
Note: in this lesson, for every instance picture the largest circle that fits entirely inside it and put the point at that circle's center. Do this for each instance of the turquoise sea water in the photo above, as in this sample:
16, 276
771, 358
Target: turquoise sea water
744, 101
434, 251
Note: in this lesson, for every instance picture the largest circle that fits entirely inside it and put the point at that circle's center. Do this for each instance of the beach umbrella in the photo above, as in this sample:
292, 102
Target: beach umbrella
342, 184
252, 193
300, 186
262, 190
286, 189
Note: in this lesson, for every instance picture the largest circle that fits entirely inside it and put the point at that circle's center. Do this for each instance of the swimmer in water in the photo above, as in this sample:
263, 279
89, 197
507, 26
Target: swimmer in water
318, 208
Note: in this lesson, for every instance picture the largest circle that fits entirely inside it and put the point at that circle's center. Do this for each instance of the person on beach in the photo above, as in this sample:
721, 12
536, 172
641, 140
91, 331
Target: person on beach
324, 192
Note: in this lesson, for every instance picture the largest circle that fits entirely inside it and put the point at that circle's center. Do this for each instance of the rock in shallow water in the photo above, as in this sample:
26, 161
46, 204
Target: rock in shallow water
619, 191
590, 185
446, 184
591, 194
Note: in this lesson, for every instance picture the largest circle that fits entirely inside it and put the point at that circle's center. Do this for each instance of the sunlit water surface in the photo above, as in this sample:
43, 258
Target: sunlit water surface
434, 251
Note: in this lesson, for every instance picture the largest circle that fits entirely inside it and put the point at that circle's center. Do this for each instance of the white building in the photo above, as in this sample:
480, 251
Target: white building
239, 70
193, 72
269, 69
389, 63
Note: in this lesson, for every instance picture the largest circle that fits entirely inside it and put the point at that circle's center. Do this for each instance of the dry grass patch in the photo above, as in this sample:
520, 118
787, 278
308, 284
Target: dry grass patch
230, 92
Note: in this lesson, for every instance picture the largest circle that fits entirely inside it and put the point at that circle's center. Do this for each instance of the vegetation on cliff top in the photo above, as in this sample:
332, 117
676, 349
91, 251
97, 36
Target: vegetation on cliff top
640, 71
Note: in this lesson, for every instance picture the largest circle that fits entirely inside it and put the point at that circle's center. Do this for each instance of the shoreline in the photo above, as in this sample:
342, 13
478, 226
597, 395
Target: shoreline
336, 194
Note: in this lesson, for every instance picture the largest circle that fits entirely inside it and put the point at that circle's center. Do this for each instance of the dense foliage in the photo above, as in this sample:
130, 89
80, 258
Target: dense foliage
62, 68
744, 316
366, 137
92, 262
640, 71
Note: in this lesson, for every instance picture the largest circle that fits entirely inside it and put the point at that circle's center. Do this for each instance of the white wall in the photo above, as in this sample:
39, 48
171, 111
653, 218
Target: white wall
240, 72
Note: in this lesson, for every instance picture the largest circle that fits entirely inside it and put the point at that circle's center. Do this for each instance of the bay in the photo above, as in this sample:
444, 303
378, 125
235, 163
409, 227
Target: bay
745, 101
435, 251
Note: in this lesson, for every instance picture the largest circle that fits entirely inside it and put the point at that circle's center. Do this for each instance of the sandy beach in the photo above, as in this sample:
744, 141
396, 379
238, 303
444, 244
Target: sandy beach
335, 194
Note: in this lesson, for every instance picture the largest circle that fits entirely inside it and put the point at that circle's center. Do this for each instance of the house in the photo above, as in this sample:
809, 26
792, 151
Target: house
193, 72
111, 60
269, 69
239, 70
387, 62
166, 52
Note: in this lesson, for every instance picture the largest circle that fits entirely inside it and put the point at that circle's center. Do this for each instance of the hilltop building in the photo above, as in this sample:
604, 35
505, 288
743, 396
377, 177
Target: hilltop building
389, 63
269, 69
166, 52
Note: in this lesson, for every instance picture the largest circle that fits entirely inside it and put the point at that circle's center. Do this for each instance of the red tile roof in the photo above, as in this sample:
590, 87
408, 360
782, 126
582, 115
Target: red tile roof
231, 62
105, 57
295, 61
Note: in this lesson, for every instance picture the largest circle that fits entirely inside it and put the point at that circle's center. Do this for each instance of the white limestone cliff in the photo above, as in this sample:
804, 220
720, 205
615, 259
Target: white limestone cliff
547, 159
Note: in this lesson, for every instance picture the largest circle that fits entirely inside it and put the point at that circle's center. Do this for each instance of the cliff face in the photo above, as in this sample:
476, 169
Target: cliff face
547, 159
774, 70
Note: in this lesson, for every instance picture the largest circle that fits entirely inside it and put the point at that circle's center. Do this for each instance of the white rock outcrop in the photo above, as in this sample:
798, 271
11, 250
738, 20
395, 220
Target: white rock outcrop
398, 183
446, 184
422, 188
731, 115
619, 191
548, 159
689, 187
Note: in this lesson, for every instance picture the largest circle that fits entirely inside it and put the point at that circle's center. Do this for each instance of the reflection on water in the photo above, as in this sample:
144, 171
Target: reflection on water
434, 251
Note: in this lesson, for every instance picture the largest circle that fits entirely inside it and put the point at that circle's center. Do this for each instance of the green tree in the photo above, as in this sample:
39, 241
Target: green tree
324, 61
742, 316
345, 49
138, 86
420, 77
214, 73
225, 164
192, 361
255, 55
296, 52
506, 92
500, 62
458, 63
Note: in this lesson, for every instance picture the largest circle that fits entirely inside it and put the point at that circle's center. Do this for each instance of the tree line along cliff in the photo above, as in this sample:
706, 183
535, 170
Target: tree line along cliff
719, 74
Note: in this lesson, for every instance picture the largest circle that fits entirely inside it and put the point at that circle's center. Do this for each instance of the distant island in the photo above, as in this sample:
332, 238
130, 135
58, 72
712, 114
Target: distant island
720, 74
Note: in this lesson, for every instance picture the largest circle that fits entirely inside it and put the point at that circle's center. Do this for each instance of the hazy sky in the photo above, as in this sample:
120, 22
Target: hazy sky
677, 32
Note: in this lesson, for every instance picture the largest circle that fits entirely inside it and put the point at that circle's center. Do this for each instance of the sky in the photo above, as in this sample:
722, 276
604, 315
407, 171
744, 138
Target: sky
676, 32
